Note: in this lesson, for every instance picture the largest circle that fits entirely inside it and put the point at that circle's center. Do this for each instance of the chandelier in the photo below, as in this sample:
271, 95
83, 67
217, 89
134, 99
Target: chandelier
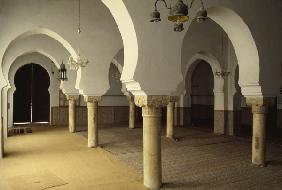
76, 63
178, 13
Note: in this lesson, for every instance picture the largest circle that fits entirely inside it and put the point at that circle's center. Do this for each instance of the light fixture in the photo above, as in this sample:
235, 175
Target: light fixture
178, 13
77, 62
222, 73
63, 72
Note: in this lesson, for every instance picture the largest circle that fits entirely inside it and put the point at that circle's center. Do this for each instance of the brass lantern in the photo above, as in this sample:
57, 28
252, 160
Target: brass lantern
179, 12
63, 72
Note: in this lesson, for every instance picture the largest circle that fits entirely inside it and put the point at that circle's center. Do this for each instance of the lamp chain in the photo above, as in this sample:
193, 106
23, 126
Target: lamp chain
79, 28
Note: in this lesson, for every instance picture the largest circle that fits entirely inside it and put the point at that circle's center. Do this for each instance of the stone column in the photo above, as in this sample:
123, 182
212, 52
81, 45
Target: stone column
72, 125
92, 107
258, 139
1, 138
170, 119
131, 112
152, 161
259, 108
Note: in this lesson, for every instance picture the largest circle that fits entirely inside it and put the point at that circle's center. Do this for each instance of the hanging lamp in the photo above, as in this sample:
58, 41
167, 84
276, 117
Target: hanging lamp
76, 63
178, 13
63, 72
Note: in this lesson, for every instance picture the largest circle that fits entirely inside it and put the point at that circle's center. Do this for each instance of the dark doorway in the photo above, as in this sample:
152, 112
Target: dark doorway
202, 98
31, 98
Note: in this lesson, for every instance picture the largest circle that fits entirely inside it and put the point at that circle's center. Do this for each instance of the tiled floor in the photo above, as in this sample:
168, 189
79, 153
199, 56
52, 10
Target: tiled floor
200, 160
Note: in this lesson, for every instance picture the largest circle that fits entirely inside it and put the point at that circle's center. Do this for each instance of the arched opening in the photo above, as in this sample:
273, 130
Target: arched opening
31, 98
202, 98
244, 45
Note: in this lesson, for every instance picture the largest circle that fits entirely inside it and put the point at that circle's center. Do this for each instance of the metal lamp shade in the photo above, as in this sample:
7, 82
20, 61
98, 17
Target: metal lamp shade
155, 16
179, 12
202, 16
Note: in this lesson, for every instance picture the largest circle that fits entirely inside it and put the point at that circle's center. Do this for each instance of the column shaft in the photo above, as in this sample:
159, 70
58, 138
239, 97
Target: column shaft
258, 139
1, 139
72, 116
170, 120
131, 114
152, 147
92, 124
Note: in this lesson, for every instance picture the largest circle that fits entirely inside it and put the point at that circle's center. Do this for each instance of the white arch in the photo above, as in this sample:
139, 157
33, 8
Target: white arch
244, 46
9, 90
213, 62
128, 33
118, 65
37, 31
46, 32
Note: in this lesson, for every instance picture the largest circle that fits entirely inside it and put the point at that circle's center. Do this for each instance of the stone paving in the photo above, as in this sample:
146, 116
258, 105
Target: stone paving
200, 160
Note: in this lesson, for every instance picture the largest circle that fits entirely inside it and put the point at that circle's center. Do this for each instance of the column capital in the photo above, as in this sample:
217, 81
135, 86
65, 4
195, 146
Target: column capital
173, 99
130, 98
151, 100
260, 101
72, 97
92, 98
259, 109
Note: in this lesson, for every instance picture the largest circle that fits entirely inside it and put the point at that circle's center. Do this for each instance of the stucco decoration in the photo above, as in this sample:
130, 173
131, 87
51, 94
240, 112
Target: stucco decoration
153, 101
92, 98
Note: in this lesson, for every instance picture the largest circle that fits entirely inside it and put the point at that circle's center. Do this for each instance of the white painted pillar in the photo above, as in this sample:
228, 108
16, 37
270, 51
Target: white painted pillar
72, 112
92, 107
152, 158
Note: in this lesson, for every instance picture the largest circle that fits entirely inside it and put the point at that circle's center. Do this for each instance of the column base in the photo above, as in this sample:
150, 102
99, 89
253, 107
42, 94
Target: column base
259, 165
173, 139
93, 146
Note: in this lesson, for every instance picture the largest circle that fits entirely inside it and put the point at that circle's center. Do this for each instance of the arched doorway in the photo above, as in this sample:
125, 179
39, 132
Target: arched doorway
202, 98
31, 98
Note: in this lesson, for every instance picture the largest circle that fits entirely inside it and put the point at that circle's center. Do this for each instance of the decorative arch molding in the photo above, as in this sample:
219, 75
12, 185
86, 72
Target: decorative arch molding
244, 46
37, 31
10, 89
45, 54
215, 66
47, 32
14, 68
130, 42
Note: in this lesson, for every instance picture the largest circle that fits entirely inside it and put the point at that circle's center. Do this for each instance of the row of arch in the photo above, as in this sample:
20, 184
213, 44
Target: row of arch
222, 16
241, 38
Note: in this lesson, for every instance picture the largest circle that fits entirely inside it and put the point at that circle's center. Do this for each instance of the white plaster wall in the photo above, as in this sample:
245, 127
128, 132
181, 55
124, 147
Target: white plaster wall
240, 20
115, 96
60, 18
159, 48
